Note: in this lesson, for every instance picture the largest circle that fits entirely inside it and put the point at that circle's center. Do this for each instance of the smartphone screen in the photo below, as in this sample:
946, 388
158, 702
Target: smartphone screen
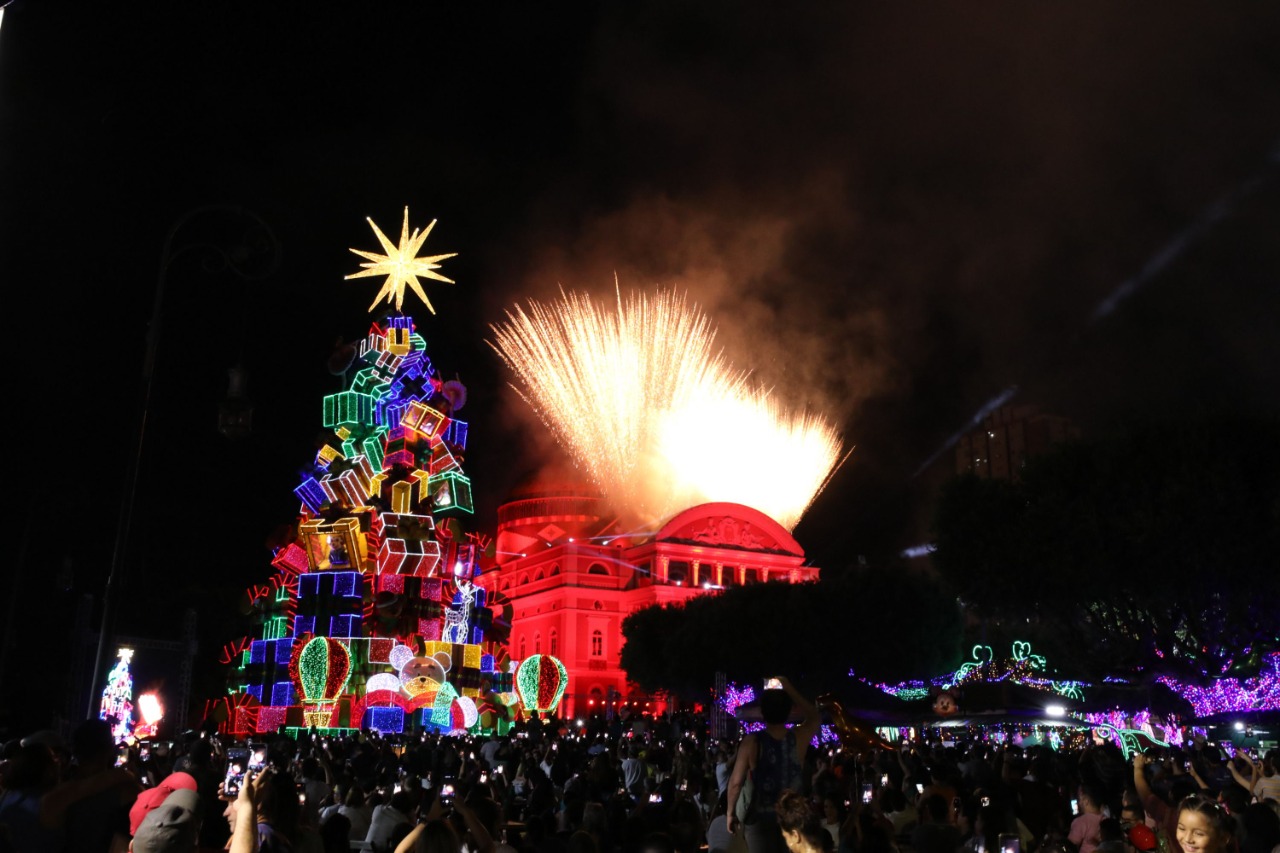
1010, 843
237, 762
446, 791
1075, 807
655, 798
257, 757
122, 757
866, 792
772, 684
919, 788
884, 780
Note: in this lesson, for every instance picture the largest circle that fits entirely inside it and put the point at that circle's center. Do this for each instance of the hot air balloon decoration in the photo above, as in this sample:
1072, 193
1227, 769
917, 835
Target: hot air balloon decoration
319, 669
541, 680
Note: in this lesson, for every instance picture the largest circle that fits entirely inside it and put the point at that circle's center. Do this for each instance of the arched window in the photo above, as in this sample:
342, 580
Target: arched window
522, 647
554, 640
537, 643
555, 570
597, 643
597, 569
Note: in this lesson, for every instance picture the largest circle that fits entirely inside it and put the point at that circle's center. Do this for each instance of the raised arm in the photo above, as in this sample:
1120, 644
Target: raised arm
1240, 779
252, 792
1140, 778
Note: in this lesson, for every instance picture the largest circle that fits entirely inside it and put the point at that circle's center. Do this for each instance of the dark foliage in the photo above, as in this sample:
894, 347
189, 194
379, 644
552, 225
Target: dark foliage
1152, 552
880, 623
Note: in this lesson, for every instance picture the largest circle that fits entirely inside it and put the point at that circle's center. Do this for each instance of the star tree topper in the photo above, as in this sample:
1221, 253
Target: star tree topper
401, 265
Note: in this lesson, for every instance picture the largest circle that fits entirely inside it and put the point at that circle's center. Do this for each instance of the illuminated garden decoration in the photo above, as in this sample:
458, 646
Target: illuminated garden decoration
1021, 667
1135, 732
370, 618
735, 696
1261, 693
541, 680
117, 697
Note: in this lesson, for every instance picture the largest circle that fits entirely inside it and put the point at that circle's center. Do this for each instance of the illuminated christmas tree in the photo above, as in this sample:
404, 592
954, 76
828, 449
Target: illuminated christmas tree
371, 618
117, 697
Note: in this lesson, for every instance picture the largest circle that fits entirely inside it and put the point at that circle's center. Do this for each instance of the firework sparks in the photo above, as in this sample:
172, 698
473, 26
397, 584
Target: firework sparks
657, 418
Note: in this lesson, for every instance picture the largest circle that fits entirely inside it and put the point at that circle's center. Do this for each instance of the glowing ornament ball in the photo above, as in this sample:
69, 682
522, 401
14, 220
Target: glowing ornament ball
540, 681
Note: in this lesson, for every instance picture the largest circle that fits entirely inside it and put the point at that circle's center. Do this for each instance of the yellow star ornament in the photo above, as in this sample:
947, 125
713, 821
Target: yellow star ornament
401, 265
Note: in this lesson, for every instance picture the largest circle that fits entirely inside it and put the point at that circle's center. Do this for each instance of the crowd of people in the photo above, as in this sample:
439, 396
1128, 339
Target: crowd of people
641, 785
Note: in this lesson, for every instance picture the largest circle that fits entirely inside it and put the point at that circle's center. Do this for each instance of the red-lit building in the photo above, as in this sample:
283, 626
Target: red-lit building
572, 576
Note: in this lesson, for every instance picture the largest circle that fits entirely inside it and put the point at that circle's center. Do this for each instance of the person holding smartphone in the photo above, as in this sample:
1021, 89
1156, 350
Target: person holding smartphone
774, 760
1085, 828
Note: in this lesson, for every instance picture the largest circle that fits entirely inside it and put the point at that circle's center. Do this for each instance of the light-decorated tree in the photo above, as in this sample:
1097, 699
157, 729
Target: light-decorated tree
117, 697
371, 618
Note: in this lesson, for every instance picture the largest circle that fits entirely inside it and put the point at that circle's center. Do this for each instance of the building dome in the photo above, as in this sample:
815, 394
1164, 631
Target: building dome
543, 513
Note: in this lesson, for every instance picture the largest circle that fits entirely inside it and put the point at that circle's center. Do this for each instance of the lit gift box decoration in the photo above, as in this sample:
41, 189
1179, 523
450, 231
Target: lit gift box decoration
379, 370
409, 557
403, 496
443, 460
393, 525
424, 420
291, 560
326, 454
347, 407
466, 675
398, 341
349, 481
401, 447
407, 545
311, 495
270, 719
456, 434
334, 546
370, 445
450, 491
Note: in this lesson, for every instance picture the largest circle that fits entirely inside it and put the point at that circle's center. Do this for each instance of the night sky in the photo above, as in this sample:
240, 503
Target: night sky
893, 212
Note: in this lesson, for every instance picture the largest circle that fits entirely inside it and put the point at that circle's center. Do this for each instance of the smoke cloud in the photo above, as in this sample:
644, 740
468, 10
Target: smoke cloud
893, 212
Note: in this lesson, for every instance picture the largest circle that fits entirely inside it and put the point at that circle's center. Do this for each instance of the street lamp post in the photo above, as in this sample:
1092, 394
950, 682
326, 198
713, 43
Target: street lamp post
251, 253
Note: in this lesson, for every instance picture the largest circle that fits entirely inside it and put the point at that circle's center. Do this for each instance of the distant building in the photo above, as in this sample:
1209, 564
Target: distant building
571, 577
1007, 438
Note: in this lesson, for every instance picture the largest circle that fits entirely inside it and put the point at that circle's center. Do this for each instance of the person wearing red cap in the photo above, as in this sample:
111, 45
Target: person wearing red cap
153, 797
1143, 837
171, 825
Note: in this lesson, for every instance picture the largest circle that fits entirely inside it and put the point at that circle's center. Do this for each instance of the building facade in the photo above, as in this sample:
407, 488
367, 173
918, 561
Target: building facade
571, 577
1009, 436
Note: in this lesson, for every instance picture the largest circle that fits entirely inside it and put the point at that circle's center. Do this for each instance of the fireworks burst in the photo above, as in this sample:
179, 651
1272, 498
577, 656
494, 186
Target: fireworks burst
658, 419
